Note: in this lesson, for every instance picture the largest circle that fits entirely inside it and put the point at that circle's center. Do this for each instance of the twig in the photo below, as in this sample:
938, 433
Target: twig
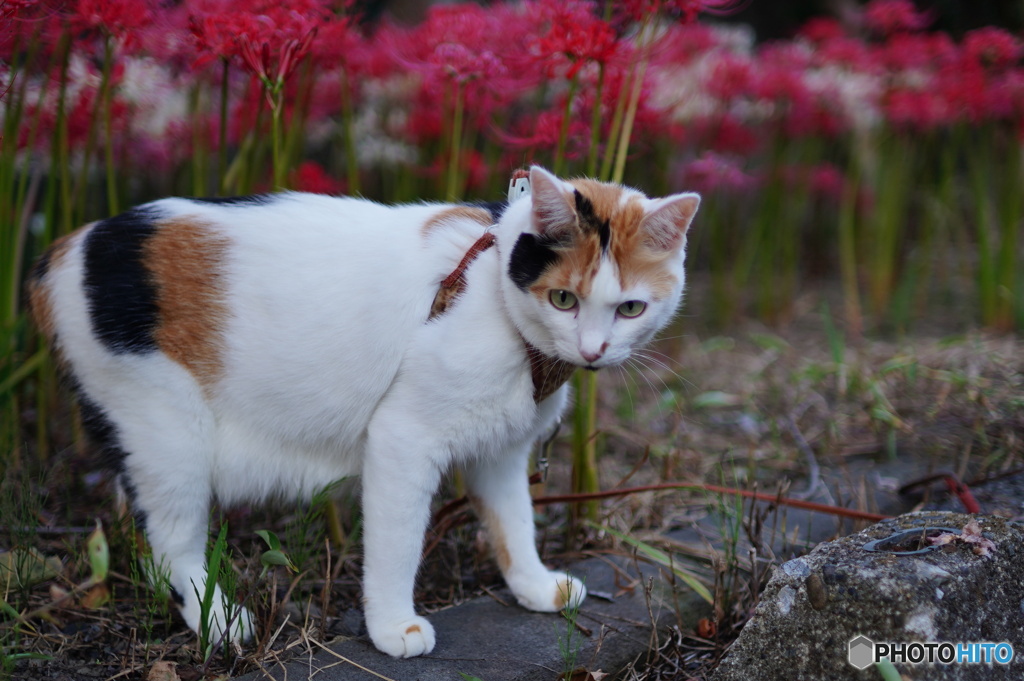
345, 659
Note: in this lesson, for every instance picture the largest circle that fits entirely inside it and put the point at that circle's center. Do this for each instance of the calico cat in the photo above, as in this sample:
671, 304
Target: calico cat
242, 349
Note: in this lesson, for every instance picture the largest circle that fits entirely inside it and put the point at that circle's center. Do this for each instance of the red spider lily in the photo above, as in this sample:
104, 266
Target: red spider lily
717, 173
887, 17
918, 109
272, 68
821, 30
543, 131
340, 44
723, 134
919, 51
267, 39
685, 11
121, 19
575, 35
455, 44
215, 36
992, 48
731, 77
310, 176
847, 52
684, 43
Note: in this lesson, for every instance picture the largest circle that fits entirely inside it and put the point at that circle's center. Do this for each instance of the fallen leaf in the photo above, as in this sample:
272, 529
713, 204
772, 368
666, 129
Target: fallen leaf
971, 534
163, 671
706, 628
96, 597
25, 567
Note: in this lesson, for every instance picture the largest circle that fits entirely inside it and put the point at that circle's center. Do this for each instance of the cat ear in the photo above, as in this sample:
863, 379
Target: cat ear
665, 225
553, 215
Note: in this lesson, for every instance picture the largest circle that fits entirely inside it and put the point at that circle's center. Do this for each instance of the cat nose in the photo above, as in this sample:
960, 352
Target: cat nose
594, 356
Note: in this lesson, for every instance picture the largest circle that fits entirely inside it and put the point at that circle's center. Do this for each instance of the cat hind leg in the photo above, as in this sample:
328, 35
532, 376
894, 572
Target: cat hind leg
161, 459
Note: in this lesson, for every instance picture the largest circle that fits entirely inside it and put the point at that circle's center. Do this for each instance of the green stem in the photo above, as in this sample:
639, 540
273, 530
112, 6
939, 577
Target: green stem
198, 142
348, 137
848, 255
595, 125
277, 144
585, 478
107, 92
622, 152
222, 141
453, 189
563, 134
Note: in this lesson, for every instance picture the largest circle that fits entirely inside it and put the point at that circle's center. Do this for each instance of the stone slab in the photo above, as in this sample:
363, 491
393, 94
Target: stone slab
503, 642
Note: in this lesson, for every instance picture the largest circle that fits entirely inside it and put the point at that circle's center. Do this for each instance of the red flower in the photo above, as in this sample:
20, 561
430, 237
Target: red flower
575, 35
731, 77
685, 11
310, 176
919, 51
821, 29
992, 47
122, 19
717, 173
887, 17
268, 39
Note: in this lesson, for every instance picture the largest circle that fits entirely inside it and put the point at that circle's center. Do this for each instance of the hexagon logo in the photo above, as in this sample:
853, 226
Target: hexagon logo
862, 652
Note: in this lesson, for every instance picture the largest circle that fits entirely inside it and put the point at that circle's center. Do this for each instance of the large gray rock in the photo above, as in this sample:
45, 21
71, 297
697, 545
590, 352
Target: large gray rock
970, 589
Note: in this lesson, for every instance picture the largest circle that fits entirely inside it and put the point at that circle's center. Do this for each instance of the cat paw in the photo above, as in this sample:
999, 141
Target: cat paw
550, 593
407, 638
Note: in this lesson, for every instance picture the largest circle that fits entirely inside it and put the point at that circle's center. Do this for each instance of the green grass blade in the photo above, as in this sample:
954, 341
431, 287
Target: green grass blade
663, 559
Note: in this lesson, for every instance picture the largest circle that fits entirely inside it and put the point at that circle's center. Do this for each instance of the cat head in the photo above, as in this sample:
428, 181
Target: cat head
594, 269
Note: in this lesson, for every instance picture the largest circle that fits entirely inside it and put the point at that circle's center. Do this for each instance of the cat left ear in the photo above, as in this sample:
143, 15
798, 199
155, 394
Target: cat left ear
666, 223
553, 215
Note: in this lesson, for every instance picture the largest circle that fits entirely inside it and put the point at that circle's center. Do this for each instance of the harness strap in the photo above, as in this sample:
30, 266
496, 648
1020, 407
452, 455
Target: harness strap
548, 373
455, 283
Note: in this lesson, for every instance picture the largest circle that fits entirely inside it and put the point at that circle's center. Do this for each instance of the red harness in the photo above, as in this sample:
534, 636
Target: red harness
549, 373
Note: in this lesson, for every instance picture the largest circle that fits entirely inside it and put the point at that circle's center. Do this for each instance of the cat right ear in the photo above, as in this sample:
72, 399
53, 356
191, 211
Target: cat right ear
665, 226
553, 216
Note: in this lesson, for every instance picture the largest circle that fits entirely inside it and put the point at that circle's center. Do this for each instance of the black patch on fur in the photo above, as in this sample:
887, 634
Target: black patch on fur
251, 200
531, 256
176, 597
590, 222
495, 208
122, 298
102, 433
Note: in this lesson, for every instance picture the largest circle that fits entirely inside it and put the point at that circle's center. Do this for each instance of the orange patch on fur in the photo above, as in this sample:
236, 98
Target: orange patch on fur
562, 594
456, 214
39, 303
574, 271
495, 534
636, 261
185, 259
414, 629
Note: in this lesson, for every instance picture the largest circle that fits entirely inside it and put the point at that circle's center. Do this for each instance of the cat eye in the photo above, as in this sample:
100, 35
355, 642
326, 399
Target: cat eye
632, 308
562, 300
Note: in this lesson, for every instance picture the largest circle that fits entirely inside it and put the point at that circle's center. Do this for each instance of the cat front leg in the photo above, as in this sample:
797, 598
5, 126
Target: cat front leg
399, 480
500, 493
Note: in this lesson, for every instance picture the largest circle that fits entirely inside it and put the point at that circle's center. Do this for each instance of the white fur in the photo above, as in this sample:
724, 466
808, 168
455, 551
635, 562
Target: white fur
331, 369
